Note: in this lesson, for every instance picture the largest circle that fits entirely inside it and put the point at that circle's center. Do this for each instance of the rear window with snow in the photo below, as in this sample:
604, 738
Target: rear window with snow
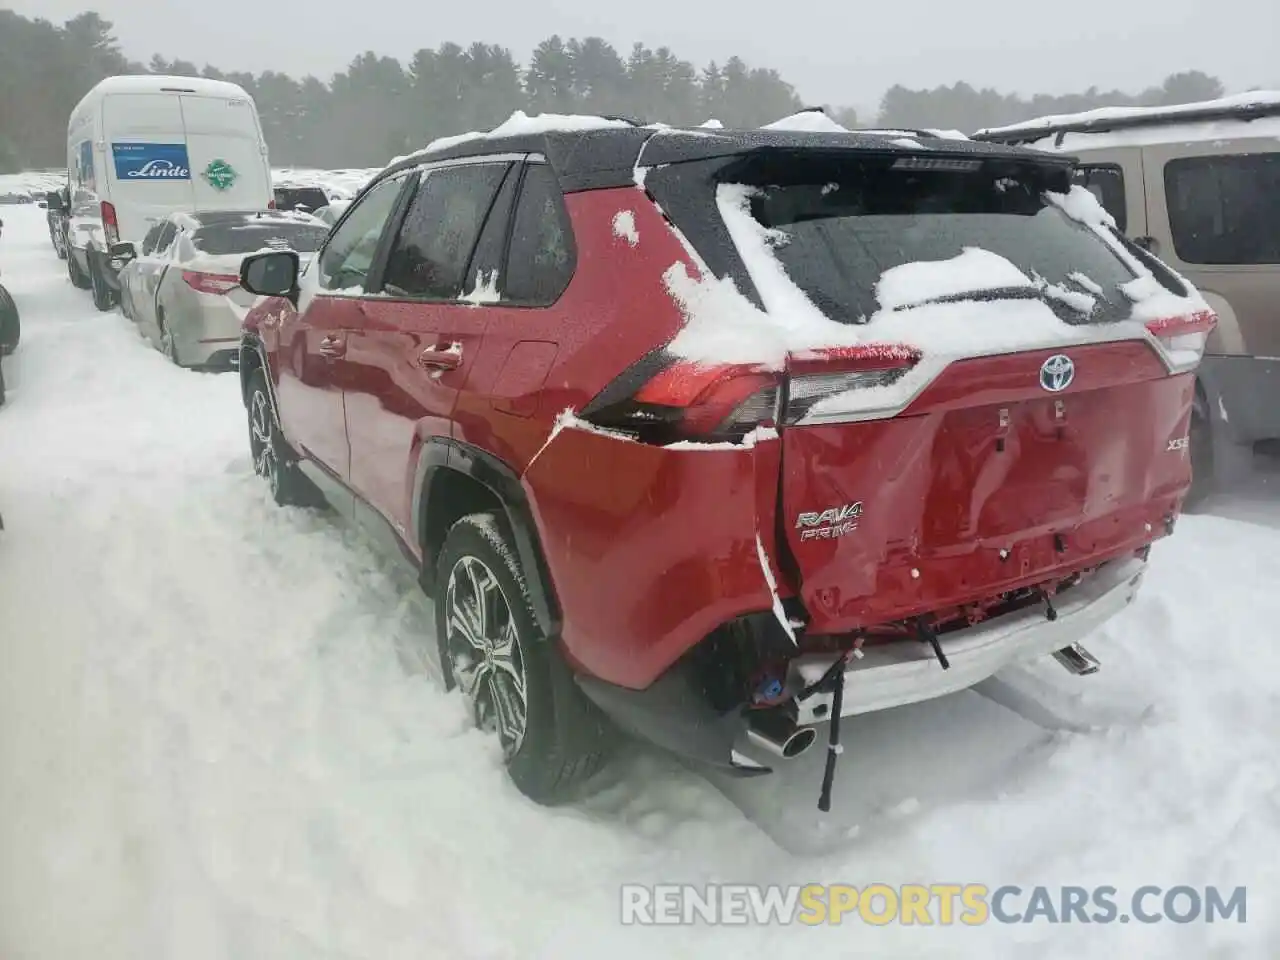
839, 225
251, 235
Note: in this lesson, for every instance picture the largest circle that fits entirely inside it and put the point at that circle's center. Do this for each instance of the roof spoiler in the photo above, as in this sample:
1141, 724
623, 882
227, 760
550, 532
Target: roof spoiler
1028, 134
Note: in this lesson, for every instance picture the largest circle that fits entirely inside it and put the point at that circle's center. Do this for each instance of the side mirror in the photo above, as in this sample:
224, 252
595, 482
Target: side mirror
121, 255
53, 200
271, 274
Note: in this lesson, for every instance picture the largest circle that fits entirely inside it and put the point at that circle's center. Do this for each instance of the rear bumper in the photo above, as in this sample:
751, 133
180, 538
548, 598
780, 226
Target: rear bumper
1244, 396
900, 673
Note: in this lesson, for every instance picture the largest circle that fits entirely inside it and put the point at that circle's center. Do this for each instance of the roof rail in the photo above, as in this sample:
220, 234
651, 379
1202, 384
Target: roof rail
1027, 133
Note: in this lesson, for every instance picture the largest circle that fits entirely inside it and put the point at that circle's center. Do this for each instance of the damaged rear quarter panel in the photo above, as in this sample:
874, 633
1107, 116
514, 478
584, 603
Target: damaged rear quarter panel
651, 548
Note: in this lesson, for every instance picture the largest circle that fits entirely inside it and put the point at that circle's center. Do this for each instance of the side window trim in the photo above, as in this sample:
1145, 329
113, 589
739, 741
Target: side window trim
517, 171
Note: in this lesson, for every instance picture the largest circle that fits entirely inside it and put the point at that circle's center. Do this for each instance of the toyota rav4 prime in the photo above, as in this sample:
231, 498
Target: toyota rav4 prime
716, 437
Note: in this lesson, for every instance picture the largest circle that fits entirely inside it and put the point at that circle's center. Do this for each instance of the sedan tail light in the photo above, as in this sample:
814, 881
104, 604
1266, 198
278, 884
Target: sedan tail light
215, 283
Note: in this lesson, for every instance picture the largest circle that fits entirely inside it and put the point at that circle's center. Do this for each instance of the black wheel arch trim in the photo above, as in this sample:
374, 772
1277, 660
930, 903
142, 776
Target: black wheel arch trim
443, 453
251, 343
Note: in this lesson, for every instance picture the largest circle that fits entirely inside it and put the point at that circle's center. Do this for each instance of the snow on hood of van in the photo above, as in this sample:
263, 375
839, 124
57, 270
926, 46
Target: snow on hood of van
807, 121
724, 326
1258, 97
521, 124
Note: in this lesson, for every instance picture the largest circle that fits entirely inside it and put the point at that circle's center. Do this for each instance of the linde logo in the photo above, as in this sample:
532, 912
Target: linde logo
149, 162
159, 170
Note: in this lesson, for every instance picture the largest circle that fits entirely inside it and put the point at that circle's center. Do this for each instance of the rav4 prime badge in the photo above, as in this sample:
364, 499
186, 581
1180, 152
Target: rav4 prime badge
833, 522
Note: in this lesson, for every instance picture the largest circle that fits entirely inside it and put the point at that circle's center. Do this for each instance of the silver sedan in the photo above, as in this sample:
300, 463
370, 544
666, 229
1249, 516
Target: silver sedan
182, 287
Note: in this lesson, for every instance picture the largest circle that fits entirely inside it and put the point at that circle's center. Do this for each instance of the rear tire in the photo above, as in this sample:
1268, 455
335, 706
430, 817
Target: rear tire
273, 458
518, 686
79, 279
103, 296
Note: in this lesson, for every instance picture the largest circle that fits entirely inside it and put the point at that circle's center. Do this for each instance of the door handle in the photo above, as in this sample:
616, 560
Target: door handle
441, 358
332, 347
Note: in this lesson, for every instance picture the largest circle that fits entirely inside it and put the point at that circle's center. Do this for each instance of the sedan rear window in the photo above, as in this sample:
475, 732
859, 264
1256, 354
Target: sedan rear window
839, 226
251, 235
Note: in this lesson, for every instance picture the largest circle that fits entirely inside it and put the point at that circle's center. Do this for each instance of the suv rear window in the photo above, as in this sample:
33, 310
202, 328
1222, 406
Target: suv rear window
251, 235
843, 223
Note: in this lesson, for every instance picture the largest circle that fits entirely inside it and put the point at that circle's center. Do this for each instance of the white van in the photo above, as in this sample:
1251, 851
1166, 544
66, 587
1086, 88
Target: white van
141, 147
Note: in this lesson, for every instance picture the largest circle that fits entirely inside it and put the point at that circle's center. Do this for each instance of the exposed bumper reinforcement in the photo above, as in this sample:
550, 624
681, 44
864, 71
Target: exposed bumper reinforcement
903, 672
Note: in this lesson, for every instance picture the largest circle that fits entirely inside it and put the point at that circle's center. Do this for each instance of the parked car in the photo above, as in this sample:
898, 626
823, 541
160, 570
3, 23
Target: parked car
308, 199
1199, 186
15, 198
182, 285
139, 147
809, 426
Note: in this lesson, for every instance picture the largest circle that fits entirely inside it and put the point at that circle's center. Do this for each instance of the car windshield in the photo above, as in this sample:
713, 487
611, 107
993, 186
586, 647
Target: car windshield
250, 235
840, 226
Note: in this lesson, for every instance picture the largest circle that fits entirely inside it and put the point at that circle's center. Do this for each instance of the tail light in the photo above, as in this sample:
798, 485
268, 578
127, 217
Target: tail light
1183, 339
843, 371
110, 225
271, 204
216, 283
663, 399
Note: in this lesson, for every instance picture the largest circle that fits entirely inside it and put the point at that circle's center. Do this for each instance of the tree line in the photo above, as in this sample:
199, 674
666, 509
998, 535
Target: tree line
380, 107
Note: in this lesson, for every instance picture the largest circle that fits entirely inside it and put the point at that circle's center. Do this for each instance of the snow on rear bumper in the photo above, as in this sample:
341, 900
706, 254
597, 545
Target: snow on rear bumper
904, 672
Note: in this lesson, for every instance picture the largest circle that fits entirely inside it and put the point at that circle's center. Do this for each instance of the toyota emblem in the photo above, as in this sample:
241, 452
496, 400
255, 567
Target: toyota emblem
1057, 372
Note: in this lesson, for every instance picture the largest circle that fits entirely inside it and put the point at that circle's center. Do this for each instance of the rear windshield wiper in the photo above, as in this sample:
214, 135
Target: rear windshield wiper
982, 296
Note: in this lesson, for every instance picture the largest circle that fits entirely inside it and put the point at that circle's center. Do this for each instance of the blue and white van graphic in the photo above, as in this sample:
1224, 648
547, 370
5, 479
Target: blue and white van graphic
151, 161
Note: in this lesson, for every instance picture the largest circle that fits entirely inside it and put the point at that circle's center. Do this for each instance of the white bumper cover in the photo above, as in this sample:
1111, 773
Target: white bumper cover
895, 674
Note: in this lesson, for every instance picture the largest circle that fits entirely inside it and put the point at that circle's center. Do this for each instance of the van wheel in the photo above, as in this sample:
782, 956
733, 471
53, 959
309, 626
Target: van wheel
516, 683
103, 296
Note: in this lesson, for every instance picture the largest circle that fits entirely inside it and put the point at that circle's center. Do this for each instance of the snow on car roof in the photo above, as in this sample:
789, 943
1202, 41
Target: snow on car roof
1240, 108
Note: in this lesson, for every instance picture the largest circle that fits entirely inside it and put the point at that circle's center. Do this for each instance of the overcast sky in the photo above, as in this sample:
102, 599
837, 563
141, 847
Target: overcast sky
833, 51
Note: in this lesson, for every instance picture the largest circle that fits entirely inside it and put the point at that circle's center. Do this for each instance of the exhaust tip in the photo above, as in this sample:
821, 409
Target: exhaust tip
799, 742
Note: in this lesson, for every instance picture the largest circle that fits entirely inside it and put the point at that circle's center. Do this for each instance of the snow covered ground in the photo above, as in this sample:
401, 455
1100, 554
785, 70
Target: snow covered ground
213, 744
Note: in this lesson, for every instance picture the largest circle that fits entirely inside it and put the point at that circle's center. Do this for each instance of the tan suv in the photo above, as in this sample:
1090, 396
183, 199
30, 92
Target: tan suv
1199, 186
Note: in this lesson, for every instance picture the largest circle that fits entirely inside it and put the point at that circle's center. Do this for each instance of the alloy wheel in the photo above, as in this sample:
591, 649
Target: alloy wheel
483, 645
261, 440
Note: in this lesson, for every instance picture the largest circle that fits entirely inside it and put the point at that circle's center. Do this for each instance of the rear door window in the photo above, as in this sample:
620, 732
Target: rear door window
839, 225
1225, 209
433, 248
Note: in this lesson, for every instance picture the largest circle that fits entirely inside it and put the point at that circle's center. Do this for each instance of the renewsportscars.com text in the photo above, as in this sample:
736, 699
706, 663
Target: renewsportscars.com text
940, 904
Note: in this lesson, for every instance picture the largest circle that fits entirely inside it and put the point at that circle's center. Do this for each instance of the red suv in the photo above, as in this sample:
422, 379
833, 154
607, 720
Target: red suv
715, 436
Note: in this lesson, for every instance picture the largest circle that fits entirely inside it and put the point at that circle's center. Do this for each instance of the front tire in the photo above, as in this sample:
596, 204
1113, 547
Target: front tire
514, 678
273, 459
